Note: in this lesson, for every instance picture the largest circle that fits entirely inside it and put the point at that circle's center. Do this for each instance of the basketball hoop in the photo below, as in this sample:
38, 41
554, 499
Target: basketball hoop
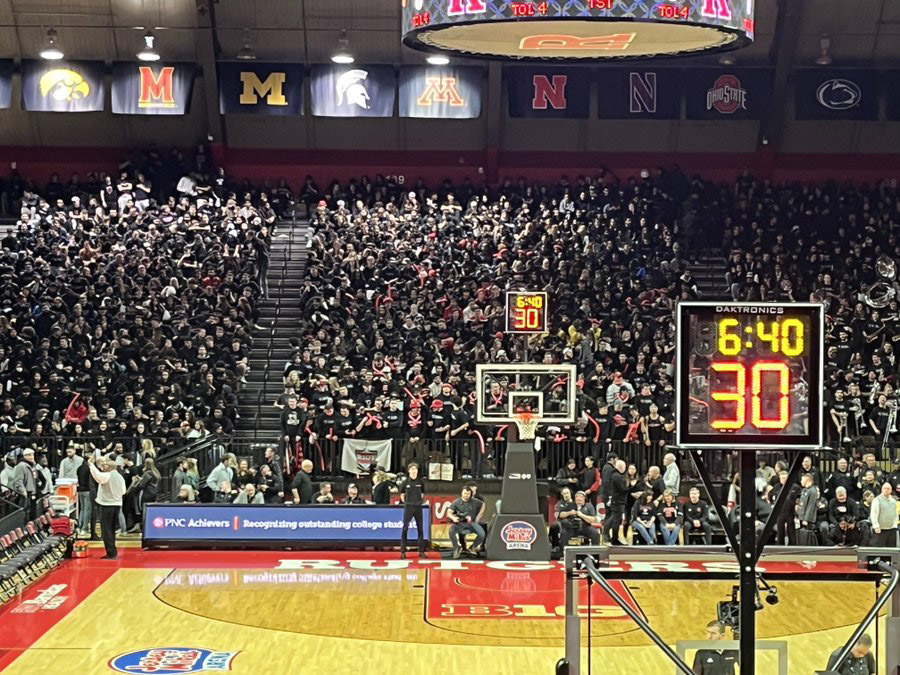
527, 423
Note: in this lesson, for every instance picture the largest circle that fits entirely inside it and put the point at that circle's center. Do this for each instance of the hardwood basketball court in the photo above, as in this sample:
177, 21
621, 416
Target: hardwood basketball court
328, 612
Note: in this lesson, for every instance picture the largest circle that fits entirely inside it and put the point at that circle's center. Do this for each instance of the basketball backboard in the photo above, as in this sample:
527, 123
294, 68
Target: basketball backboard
548, 391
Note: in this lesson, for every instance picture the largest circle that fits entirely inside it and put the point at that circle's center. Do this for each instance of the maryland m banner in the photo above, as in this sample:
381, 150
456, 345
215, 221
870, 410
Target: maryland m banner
260, 88
6, 70
548, 92
440, 93
62, 86
157, 89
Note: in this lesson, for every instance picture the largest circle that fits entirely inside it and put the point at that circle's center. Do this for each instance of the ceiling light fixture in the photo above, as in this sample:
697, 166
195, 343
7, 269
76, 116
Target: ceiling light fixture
246, 53
148, 53
436, 60
51, 51
824, 57
343, 56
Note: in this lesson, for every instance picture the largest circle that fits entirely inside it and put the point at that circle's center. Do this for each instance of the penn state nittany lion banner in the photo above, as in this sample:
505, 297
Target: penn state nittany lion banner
261, 88
152, 89
62, 86
353, 91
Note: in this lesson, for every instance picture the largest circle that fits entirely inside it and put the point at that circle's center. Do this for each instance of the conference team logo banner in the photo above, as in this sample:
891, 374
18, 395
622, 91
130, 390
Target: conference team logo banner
733, 94
441, 93
638, 93
892, 92
836, 95
352, 91
260, 88
62, 86
6, 70
158, 89
548, 92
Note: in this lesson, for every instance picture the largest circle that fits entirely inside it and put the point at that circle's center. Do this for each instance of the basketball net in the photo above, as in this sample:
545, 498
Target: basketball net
527, 423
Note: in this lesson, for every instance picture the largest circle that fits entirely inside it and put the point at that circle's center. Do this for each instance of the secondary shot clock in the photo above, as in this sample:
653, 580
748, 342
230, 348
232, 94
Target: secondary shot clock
526, 312
749, 374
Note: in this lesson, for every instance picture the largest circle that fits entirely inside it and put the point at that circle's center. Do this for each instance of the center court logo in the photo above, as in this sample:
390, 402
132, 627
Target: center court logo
518, 535
172, 661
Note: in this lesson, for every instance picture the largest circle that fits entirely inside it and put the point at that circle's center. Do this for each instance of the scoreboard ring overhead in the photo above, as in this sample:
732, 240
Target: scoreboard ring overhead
537, 30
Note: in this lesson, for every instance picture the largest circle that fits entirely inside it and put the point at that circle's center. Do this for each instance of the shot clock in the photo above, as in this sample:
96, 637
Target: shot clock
749, 374
526, 312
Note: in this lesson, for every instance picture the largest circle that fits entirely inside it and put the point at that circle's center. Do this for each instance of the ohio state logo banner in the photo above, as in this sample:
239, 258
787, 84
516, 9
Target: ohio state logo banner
6, 71
62, 86
728, 94
639, 93
261, 88
152, 89
548, 92
441, 93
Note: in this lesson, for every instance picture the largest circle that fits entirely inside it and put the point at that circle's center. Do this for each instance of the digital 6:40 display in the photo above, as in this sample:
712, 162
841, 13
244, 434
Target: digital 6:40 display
749, 374
526, 312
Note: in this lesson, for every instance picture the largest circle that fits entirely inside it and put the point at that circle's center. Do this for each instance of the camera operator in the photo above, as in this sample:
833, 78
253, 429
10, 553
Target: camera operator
841, 527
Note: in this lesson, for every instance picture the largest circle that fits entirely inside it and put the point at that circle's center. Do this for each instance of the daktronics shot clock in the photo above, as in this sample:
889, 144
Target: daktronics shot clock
749, 374
526, 312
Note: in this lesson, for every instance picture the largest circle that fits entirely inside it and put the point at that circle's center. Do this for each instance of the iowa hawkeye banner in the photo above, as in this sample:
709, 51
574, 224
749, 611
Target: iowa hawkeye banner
261, 88
353, 91
62, 86
734, 94
634, 93
158, 89
548, 92
6, 70
445, 93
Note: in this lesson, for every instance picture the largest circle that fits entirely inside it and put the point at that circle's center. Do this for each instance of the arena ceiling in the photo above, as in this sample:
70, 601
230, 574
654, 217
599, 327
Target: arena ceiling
861, 31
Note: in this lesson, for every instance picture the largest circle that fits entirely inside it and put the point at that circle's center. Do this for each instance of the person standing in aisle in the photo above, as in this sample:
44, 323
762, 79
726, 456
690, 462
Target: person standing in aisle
109, 500
412, 494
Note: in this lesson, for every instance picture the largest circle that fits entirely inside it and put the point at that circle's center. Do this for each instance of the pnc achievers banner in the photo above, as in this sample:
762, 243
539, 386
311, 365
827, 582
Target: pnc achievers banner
727, 94
639, 93
548, 92
157, 89
62, 86
836, 95
260, 88
6, 70
441, 92
352, 91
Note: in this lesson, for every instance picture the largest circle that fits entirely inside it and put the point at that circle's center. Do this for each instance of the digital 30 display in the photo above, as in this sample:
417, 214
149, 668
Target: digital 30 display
526, 312
749, 374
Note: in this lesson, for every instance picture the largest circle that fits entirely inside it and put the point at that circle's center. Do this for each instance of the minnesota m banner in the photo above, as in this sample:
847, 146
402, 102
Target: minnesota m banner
261, 88
445, 93
62, 86
157, 89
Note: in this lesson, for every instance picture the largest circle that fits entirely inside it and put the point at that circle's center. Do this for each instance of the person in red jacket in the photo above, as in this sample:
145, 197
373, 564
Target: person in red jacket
590, 480
77, 411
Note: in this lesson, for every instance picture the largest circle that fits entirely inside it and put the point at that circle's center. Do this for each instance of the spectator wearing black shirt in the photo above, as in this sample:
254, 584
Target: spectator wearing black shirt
270, 484
841, 528
696, 517
292, 421
324, 495
669, 518
618, 497
860, 661
353, 496
302, 487
463, 513
715, 661
609, 468
568, 476
577, 520
643, 517
590, 479
785, 527
842, 477
412, 494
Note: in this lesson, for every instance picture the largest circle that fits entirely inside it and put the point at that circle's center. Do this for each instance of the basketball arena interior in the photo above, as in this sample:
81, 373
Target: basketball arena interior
441, 336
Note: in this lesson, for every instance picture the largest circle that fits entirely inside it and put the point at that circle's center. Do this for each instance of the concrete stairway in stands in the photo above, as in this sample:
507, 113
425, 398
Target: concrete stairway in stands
708, 271
279, 320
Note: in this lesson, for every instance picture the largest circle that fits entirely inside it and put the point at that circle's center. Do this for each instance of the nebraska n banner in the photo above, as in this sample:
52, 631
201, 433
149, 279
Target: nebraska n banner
442, 93
157, 89
358, 456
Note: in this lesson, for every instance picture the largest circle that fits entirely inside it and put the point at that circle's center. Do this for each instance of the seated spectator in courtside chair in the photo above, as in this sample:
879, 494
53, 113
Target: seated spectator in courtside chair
249, 495
463, 513
696, 518
578, 521
186, 495
353, 496
643, 517
324, 495
270, 485
669, 518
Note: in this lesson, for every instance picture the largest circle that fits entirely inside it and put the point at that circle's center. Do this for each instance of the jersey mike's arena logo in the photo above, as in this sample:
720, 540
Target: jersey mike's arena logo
727, 95
518, 535
173, 661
